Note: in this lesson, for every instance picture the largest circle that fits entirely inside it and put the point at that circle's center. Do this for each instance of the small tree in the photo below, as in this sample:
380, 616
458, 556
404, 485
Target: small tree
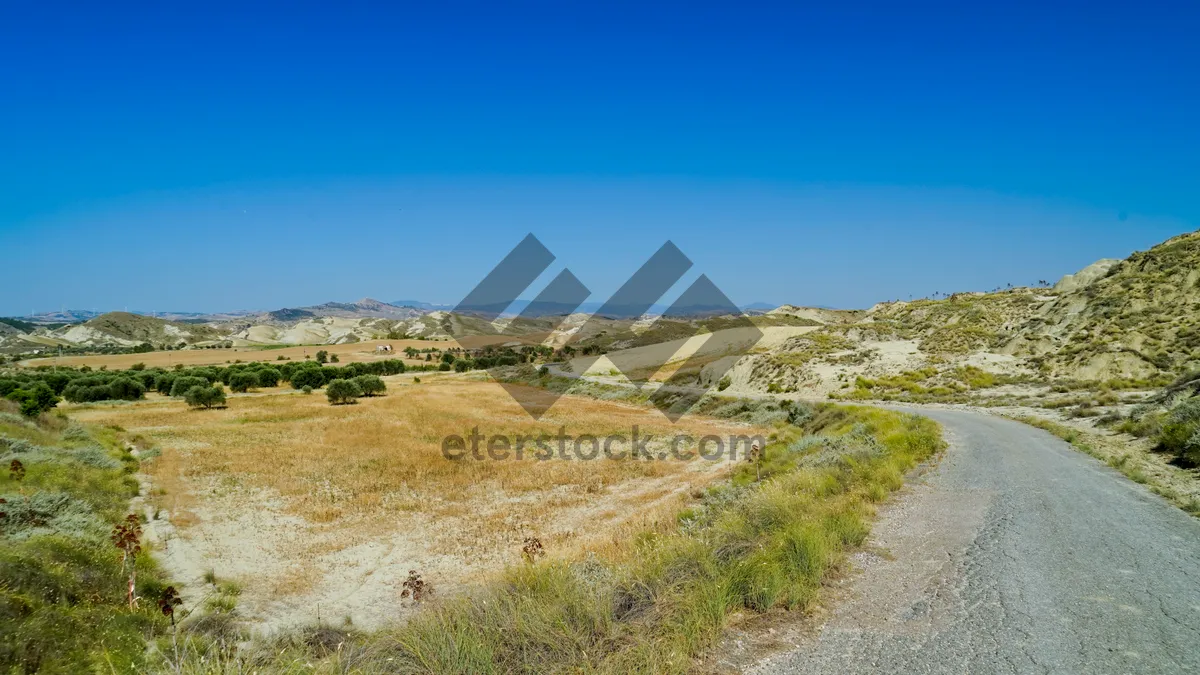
205, 397
242, 381
333, 358
308, 377
322, 356
269, 377
34, 398
183, 384
371, 385
125, 389
342, 391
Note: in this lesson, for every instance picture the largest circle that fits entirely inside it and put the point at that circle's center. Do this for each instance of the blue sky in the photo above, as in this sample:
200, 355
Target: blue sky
222, 156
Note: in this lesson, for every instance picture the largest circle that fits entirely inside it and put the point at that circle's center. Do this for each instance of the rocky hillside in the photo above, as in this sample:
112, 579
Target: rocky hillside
1134, 318
1128, 321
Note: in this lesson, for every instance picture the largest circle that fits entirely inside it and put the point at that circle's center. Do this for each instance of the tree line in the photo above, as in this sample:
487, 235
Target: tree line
40, 389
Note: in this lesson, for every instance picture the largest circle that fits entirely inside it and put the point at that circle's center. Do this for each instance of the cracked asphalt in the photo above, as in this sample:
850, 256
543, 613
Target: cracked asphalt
1016, 554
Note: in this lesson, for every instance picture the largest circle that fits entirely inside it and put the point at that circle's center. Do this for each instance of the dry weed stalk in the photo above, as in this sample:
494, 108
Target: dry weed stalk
416, 588
533, 549
127, 536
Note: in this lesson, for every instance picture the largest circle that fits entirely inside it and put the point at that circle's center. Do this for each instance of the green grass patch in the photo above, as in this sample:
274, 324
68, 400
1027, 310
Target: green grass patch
63, 606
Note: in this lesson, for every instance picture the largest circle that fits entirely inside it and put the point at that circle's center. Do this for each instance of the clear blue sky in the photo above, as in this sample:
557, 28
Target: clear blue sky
214, 156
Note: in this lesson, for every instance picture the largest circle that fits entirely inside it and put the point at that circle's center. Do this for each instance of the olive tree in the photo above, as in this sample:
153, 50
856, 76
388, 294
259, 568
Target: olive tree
342, 391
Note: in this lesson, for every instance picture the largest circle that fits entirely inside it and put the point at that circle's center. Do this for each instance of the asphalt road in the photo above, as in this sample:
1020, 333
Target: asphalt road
1017, 554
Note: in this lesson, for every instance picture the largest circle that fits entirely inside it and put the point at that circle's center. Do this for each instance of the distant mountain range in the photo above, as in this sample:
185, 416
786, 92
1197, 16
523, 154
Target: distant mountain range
364, 308
553, 309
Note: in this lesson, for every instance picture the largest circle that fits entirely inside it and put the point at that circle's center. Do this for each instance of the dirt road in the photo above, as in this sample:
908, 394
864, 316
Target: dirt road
1017, 554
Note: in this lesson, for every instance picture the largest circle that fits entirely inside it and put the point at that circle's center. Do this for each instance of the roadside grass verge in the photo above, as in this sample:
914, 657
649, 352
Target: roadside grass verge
1133, 464
655, 602
63, 604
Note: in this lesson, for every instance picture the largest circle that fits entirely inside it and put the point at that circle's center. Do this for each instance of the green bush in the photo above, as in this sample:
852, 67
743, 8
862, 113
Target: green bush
242, 381
34, 399
1181, 431
125, 389
308, 377
269, 377
370, 385
342, 391
205, 396
183, 384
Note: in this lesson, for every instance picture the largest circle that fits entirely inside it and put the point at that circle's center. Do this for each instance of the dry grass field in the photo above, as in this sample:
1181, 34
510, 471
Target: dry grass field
312, 507
347, 353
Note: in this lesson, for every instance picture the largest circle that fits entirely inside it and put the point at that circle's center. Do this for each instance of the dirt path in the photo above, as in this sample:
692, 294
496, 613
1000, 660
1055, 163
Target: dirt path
1017, 554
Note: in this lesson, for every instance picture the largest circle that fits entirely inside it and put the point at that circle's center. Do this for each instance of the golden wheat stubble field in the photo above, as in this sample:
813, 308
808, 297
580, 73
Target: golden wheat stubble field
309, 504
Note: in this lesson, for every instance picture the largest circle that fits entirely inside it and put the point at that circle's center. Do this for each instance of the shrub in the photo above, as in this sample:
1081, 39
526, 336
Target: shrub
371, 385
125, 389
342, 391
306, 389
205, 396
242, 381
308, 377
1181, 431
322, 356
182, 385
82, 392
162, 384
269, 377
34, 399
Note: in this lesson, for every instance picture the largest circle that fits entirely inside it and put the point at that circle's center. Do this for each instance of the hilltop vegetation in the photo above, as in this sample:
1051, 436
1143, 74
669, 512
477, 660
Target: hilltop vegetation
1140, 319
1119, 324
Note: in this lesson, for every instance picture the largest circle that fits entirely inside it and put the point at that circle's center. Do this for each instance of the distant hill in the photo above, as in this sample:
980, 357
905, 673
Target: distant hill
418, 304
365, 308
124, 328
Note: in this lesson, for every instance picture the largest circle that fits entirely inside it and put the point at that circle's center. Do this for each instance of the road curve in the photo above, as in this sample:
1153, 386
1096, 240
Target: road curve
1017, 554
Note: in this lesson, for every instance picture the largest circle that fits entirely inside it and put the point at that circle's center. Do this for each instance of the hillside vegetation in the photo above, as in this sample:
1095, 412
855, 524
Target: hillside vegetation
1118, 324
64, 584
1141, 319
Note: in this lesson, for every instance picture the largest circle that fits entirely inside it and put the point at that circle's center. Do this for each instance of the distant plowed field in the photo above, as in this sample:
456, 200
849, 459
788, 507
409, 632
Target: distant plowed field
347, 353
